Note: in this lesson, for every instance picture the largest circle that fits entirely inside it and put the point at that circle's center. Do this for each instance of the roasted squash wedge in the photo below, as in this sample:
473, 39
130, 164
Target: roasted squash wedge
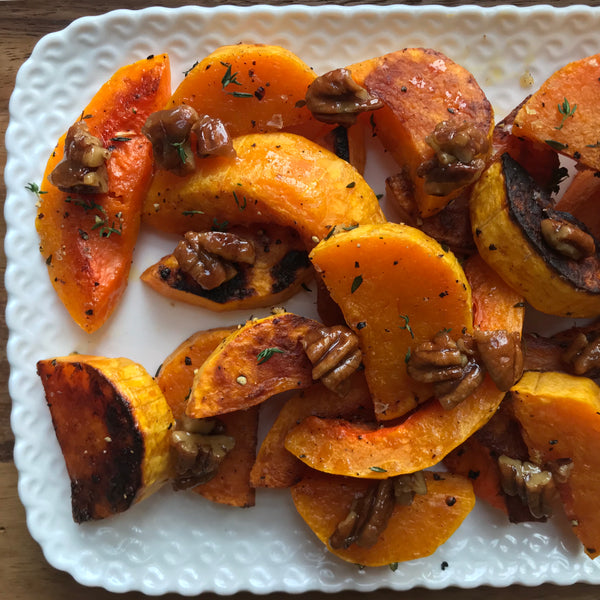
396, 287
112, 424
563, 113
280, 268
275, 467
87, 240
560, 417
257, 361
422, 88
427, 435
412, 531
278, 178
231, 484
508, 210
582, 199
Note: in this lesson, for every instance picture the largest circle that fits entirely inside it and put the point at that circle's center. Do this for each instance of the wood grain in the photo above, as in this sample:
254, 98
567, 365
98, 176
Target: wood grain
24, 572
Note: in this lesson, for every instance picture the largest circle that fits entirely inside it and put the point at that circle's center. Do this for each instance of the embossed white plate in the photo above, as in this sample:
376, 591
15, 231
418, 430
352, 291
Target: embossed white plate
181, 542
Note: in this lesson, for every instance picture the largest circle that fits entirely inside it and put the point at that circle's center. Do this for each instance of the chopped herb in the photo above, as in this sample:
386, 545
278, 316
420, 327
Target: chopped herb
87, 204
180, 151
519, 305
393, 567
356, 283
186, 73
264, 355
35, 188
351, 184
229, 77
558, 146
216, 226
107, 230
406, 325
566, 110
330, 233
237, 201
350, 227
120, 138
378, 469
192, 212
361, 325
407, 355
596, 145
241, 94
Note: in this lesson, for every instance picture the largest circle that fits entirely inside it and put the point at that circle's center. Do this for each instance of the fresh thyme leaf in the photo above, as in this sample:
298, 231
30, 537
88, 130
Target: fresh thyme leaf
378, 469
329, 233
120, 138
186, 73
596, 145
406, 325
393, 567
264, 355
180, 151
356, 283
241, 94
350, 227
229, 77
192, 212
237, 201
566, 110
216, 226
558, 146
34, 188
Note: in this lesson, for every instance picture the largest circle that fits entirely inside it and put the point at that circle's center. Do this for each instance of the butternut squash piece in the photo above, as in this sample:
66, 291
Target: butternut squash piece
397, 287
112, 424
87, 240
507, 209
582, 199
428, 434
275, 467
412, 532
257, 361
175, 376
563, 113
280, 269
251, 88
278, 178
560, 417
421, 88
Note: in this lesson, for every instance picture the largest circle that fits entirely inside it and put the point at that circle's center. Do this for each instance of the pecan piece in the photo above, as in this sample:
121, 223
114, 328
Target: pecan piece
208, 256
334, 353
460, 151
583, 354
567, 239
534, 486
169, 132
213, 137
409, 485
502, 355
83, 169
336, 98
198, 449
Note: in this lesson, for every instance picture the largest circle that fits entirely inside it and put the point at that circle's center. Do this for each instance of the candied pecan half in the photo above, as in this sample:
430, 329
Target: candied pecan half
169, 132
213, 137
208, 256
583, 354
83, 169
334, 353
336, 98
567, 239
459, 160
198, 448
407, 486
502, 355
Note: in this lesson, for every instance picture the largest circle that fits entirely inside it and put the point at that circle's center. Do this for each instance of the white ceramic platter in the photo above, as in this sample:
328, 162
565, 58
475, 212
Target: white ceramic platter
181, 542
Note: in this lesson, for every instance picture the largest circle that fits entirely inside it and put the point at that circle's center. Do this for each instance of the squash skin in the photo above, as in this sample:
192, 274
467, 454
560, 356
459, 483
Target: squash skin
280, 269
410, 289
559, 414
420, 88
112, 422
231, 484
235, 377
576, 136
512, 245
412, 532
278, 178
428, 434
88, 271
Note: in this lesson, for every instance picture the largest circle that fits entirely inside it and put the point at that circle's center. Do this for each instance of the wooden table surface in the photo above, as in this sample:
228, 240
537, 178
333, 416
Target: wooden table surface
24, 573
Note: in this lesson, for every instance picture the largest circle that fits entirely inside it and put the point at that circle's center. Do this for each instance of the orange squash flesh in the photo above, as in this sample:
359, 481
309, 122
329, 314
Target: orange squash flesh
428, 434
251, 88
412, 532
420, 88
257, 361
573, 131
397, 287
275, 467
560, 417
231, 484
278, 178
88, 264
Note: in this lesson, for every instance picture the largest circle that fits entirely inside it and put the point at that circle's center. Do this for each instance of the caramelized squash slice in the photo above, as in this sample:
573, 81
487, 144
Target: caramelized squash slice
278, 178
412, 532
87, 240
112, 423
429, 433
560, 417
